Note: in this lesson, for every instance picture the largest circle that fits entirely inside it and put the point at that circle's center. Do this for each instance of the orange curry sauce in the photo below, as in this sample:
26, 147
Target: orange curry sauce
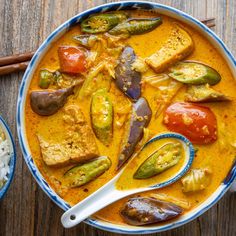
218, 155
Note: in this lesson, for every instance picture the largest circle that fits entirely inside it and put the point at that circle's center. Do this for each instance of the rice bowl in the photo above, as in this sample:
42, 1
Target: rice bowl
7, 158
4, 159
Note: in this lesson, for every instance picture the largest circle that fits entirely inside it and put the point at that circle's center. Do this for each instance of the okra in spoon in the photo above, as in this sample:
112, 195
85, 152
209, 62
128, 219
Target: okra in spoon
162, 160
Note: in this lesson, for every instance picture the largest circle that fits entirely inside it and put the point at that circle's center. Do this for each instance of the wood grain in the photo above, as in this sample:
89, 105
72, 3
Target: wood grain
24, 24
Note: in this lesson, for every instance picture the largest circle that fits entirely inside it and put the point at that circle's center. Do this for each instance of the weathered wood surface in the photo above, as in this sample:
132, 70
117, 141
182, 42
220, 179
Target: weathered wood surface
24, 24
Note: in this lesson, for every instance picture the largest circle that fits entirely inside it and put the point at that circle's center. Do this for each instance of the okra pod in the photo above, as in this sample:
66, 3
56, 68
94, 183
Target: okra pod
86, 40
101, 23
102, 116
161, 160
45, 78
84, 173
190, 72
136, 26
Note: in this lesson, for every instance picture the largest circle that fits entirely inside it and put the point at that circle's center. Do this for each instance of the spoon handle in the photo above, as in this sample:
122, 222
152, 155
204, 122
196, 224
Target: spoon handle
95, 202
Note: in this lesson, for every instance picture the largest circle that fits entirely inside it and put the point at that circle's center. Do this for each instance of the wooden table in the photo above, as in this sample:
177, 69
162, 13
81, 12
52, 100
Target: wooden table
24, 24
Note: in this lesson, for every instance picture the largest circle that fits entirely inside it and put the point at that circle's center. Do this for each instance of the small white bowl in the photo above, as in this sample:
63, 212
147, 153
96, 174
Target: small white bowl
12, 161
162, 9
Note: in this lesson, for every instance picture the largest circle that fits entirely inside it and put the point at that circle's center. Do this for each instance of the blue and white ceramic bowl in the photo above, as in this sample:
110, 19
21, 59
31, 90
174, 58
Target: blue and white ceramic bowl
166, 10
12, 162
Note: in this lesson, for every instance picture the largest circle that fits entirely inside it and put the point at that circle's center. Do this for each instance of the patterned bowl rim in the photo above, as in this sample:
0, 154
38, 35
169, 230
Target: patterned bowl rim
20, 117
12, 162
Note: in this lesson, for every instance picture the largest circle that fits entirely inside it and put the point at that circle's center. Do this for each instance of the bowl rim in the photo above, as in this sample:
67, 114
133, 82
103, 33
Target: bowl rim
111, 227
12, 162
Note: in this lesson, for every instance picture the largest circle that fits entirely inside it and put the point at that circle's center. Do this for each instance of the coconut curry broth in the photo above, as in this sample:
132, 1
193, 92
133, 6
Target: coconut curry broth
53, 129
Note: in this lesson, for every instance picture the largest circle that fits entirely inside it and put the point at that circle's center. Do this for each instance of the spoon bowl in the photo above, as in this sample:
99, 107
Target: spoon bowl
109, 193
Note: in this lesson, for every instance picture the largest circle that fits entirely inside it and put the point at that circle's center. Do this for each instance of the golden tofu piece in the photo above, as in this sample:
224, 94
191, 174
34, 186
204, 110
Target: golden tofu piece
79, 144
54, 153
176, 48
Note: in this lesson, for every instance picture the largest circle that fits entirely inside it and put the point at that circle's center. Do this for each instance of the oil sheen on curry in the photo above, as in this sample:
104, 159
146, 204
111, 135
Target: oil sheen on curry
109, 85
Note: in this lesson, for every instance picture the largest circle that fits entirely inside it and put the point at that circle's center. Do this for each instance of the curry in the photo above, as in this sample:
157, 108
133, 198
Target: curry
111, 83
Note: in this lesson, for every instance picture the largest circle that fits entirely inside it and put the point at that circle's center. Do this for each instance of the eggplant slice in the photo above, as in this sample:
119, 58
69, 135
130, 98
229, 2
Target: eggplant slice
140, 118
204, 93
127, 79
143, 211
47, 103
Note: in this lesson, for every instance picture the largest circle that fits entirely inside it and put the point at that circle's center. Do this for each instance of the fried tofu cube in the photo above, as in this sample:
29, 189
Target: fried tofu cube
176, 48
79, 144
54, 154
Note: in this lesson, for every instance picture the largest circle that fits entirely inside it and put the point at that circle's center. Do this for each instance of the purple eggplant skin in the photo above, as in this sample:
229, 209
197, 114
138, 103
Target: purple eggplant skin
140, 118
46, 103
127, 79
143, 211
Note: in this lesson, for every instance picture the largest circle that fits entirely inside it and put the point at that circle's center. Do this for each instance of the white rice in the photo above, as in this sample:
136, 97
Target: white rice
4, 160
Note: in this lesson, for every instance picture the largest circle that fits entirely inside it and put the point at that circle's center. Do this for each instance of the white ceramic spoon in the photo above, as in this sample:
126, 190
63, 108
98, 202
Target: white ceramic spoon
109, 194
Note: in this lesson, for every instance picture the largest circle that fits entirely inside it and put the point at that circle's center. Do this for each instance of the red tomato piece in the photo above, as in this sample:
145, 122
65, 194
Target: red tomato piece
197, 123
72, 59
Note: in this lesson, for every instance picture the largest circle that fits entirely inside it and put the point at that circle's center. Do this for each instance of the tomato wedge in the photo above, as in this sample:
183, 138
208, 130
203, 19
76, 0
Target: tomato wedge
72, 59
197, 123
